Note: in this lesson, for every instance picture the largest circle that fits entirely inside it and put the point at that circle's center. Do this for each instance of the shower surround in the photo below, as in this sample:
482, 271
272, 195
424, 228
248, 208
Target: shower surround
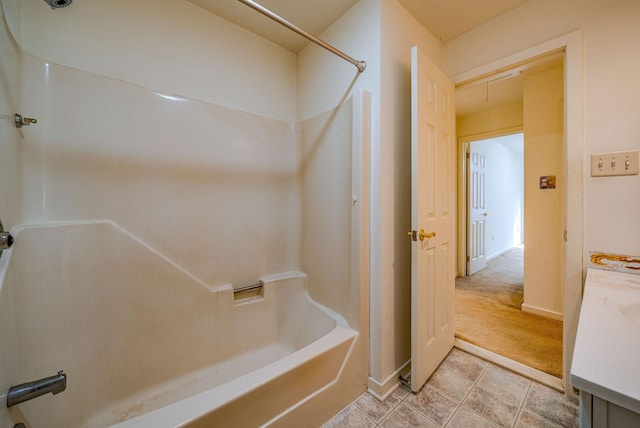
224, 195
144, 343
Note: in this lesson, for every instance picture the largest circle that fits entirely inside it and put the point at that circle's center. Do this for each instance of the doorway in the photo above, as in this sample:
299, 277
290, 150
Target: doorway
492, 271
494, 196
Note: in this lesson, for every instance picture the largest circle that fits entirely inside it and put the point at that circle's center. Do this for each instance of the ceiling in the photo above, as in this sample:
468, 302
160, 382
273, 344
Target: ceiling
445, 19
489, 94
313, 16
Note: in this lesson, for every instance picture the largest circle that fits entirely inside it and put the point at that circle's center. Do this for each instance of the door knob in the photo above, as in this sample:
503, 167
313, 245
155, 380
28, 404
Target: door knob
422, 234
485, 214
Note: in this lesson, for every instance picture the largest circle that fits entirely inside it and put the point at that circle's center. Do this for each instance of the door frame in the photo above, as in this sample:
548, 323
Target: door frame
571, 45
463, 173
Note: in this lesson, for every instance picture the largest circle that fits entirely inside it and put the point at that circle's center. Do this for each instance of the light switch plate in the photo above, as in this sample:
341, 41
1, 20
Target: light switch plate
614, 163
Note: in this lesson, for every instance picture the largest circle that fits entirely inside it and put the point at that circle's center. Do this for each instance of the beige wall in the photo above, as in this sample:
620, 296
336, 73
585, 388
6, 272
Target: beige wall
483, 124
602, 114
180, 127
170, 46
334, 243
371, 30
391, 250
11, 138
490, 120
543, 210
323, 80
611, 89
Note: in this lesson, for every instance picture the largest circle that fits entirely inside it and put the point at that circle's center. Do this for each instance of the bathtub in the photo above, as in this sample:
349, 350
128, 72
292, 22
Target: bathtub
146, 344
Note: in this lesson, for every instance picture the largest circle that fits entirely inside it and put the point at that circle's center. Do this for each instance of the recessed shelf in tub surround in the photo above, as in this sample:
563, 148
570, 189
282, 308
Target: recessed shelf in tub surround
248, 292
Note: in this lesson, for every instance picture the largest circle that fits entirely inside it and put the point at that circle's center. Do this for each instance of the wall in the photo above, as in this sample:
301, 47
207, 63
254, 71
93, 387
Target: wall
11, 140
400, 32
214, 188
490, 120
324, 80
325, 173
333, 169
180, 127
543, 223
207, 59
10, 137
611, 89
482, 124
606, 117
371, 30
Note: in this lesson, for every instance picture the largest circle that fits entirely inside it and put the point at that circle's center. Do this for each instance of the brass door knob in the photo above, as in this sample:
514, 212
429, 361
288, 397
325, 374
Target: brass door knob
422, 234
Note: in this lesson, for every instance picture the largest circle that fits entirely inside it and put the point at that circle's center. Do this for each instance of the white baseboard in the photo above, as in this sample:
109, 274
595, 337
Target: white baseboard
501, 252
542, 312
381, 390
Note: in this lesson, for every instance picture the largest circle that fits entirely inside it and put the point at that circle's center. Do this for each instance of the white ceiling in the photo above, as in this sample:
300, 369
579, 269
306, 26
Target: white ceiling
447, 19
489, 94
313, 16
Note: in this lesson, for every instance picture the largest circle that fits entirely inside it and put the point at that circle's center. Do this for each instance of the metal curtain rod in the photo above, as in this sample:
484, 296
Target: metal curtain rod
361, 65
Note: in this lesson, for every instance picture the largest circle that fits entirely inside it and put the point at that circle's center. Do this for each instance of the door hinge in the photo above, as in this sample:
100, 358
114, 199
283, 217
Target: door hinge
468, 259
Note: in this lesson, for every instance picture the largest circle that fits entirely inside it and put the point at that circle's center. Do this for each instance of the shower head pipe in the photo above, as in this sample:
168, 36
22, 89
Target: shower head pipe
57, 4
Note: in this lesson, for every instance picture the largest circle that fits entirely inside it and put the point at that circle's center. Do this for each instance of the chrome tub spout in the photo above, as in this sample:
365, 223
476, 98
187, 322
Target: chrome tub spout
26, 391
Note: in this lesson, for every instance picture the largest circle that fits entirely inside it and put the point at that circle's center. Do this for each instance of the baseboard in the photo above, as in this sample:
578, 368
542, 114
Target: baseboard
381, 390
501, 252
542, 312
514, 366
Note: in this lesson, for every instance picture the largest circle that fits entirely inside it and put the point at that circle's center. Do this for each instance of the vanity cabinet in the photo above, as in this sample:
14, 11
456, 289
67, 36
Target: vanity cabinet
605, 366
596, 412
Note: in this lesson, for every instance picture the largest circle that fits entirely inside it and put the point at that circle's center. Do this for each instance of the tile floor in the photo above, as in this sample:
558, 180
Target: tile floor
465, 391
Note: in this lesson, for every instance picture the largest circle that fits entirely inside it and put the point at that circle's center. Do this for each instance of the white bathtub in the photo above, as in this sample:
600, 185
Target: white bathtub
145, 344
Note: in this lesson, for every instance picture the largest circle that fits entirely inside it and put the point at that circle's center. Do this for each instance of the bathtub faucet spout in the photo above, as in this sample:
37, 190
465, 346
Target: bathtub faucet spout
6, 240
26, 391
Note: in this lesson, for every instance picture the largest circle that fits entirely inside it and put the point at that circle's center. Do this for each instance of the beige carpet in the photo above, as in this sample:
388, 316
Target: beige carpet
488, 315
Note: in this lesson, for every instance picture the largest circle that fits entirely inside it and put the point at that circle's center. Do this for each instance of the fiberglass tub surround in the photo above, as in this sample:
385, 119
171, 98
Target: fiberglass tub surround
225, 190
155, 342
220, 199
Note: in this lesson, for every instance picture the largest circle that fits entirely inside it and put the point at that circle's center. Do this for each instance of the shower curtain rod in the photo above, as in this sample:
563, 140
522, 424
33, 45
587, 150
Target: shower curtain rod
361, 65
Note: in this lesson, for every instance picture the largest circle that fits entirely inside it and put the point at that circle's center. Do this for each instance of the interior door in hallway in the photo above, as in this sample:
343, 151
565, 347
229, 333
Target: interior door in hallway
432, 217
476, 251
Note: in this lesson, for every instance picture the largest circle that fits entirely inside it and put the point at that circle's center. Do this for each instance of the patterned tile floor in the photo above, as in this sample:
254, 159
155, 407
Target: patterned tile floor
465, 391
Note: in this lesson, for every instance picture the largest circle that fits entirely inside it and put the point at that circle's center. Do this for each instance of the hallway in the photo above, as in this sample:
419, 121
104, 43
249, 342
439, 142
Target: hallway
489, 315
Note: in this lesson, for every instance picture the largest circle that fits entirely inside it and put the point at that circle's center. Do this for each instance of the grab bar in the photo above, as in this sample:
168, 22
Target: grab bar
249, 287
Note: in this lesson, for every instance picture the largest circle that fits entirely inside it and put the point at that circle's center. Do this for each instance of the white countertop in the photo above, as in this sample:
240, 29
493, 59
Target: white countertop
606, 357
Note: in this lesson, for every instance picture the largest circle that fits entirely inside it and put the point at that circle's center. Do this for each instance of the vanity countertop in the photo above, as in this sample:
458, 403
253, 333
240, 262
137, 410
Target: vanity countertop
606, 357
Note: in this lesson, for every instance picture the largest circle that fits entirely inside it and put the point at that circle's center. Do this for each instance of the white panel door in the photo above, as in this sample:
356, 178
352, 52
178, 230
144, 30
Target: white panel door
476, 254
432, 217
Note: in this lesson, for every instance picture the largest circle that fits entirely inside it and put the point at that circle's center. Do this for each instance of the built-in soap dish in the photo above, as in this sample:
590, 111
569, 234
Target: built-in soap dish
248, 293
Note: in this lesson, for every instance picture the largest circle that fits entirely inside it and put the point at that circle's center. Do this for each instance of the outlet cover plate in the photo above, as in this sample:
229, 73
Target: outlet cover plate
614, 163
